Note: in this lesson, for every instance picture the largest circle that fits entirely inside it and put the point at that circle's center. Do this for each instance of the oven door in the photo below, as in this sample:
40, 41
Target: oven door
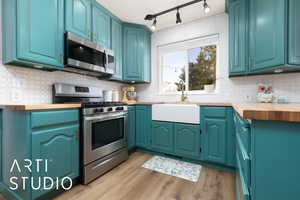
103, 135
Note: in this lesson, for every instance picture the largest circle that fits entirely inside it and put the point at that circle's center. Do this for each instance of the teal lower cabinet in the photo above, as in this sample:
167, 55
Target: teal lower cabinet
143, 119
268, 159
47, 139
187, 140
131, 127
218, 135
162, 137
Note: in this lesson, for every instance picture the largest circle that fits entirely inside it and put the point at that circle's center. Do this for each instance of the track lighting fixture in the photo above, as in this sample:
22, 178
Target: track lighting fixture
206, 7
178, 19
153, 27
150, 17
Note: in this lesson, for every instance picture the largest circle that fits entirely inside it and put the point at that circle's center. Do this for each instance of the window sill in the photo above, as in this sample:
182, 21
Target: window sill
190, 93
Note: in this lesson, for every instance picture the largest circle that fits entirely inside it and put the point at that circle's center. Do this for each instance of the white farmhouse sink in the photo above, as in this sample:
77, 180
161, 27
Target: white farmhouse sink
182, 113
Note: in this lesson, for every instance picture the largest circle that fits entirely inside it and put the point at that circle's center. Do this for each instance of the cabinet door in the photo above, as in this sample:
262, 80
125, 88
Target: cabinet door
131, 70
231, 148
238, 23
131, 127
215, 140
116, 45
101, 26
147, 58
143, 126
60, 146
187, 140
162, 137
78, 17
267, 34
294, 33
41, 31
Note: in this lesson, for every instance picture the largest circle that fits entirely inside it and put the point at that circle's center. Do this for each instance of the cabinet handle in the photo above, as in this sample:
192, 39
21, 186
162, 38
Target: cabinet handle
77, 135
62, 58
249, 61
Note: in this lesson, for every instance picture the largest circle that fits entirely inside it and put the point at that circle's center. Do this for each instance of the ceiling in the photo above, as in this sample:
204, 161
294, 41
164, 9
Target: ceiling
135, 10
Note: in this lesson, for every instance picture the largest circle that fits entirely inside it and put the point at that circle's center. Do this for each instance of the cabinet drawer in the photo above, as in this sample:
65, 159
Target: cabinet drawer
243, 162
242, 191
214, 111
243, 134
241, 122
47, 118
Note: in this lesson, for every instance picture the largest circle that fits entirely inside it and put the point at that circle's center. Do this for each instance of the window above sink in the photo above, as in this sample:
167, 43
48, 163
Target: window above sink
193, 61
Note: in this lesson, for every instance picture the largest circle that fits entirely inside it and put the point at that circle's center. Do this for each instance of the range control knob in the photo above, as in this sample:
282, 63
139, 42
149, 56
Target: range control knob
120, 108
99, 110
109, 109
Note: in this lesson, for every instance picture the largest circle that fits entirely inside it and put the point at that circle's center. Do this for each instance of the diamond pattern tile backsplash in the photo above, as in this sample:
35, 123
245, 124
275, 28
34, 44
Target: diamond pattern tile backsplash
29, 86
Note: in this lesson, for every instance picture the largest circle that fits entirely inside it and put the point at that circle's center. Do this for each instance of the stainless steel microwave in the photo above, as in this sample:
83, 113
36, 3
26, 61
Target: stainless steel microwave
85, 57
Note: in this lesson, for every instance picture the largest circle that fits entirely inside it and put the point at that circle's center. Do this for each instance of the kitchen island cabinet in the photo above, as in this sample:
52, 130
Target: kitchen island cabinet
49, 135
267, 159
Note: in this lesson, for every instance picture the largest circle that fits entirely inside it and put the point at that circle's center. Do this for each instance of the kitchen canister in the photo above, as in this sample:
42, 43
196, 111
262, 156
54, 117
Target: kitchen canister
115, 96
107, 95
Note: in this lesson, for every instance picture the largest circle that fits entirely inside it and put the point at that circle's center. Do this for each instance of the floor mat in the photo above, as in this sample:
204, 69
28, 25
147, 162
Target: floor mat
180, 169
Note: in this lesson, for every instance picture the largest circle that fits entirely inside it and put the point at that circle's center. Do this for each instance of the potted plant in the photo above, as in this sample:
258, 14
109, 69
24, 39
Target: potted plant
210, 85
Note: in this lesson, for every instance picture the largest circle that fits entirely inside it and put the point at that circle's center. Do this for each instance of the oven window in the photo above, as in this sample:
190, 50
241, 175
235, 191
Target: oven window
106, 132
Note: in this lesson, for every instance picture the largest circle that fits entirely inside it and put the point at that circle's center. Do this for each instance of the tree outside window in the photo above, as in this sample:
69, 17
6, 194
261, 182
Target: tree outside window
198, 63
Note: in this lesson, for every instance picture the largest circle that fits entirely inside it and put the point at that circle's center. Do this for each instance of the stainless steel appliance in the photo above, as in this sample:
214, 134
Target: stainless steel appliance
85, 57
103, 141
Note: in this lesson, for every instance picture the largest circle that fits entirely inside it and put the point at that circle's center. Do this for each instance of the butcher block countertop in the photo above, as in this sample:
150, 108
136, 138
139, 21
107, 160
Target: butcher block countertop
41, 107
255, 111
179, 102
274, 112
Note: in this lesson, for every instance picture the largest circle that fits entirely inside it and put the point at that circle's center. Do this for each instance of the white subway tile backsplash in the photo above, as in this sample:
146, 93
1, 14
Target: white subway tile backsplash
29, 86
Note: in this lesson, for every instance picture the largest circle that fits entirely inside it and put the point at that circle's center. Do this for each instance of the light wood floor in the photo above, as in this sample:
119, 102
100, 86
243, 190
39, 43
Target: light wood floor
130, 181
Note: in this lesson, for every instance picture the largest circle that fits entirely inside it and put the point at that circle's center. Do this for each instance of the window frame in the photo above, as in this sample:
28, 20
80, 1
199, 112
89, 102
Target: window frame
186, 45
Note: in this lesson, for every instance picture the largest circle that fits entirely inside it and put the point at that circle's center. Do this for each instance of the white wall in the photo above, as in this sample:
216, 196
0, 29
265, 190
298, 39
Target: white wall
228, 90
28, 86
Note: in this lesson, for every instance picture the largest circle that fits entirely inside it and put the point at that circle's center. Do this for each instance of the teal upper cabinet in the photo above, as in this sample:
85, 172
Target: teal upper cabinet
116, 45
264, 36
136, 60
78, 17
294, 33
143, 125
33, 32
101, 26
267, 34
187, 140
147, 58
238, 37
162, 136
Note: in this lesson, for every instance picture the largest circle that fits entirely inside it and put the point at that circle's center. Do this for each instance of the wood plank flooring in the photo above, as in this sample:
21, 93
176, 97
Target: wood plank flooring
130, 181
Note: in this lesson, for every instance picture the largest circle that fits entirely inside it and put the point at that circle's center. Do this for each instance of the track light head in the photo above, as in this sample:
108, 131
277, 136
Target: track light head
178, 18
153, 27
206, 7
149, 17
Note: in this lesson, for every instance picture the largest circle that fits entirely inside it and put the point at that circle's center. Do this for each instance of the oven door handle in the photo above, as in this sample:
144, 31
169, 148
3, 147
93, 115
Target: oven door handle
105, 118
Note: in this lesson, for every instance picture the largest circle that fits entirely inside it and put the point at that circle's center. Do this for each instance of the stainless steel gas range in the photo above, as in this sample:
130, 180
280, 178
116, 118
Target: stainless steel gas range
103, 126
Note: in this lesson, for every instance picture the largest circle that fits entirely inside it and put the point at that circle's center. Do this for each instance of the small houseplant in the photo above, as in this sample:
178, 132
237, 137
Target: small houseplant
210, 85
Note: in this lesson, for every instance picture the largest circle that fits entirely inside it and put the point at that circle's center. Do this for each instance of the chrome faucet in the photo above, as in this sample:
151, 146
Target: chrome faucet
184, 97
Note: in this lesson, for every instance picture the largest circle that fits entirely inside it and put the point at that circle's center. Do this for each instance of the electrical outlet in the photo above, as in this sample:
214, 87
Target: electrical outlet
16, 95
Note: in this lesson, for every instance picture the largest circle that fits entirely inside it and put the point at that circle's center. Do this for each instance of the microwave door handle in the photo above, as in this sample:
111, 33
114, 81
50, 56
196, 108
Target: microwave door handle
105, 60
